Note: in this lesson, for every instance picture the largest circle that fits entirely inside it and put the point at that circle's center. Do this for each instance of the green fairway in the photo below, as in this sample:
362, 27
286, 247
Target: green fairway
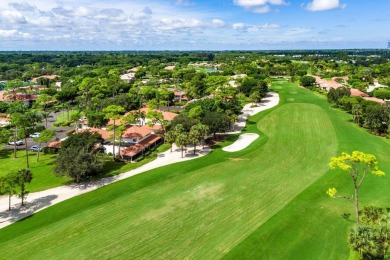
265, 202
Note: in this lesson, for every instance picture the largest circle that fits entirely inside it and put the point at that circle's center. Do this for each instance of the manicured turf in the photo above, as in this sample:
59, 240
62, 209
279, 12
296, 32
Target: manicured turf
43, 178
265, 202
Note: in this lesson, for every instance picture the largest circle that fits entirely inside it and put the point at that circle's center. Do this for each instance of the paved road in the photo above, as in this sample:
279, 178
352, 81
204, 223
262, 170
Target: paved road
60, 132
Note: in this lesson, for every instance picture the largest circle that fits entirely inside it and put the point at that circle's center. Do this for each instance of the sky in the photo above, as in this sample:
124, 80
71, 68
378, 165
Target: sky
78, 25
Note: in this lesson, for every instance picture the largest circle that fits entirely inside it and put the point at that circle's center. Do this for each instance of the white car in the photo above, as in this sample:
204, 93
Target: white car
34, 135
19, 142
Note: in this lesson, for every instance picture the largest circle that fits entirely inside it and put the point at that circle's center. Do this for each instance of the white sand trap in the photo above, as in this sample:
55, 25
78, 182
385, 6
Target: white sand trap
241, 143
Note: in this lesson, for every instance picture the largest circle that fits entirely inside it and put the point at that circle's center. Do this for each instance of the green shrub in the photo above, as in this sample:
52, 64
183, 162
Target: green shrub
50, 150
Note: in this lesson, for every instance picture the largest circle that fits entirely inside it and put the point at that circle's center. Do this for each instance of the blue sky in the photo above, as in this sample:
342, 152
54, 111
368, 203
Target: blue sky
193, 24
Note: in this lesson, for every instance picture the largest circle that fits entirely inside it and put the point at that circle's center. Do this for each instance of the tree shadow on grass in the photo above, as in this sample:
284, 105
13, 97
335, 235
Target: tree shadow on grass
93, 183
6, 153
347, 216
111, 168
20, 213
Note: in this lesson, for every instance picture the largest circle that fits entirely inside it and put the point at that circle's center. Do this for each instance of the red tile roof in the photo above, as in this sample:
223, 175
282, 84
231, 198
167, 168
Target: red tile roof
117, 122
169, 116
380, 101
137, 148
137, 132
357, 93
44, 76
327, 84
54, 144
104, 133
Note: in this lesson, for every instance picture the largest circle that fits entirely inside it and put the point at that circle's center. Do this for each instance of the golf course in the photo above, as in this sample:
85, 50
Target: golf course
267, 201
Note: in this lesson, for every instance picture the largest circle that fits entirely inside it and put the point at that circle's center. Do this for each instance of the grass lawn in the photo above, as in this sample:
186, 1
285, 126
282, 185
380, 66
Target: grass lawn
265, 202
64, 116
43, 176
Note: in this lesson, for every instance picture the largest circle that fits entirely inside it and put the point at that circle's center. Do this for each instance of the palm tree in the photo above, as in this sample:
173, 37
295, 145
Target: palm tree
114, 112
140, 116
182, 141
357, 112
170, 138
195, 136
204, 131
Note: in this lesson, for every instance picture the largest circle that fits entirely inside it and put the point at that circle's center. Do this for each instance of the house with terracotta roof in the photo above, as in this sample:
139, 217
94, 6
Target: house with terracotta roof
327, 84
136, 134
138, 149
135, 69
4, 121
45, 76
10, 96
380, 101
128, 77
168, 116
179, 95
357, 93
136, 140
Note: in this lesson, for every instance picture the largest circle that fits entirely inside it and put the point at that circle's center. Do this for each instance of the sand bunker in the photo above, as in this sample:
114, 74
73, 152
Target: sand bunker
242, 142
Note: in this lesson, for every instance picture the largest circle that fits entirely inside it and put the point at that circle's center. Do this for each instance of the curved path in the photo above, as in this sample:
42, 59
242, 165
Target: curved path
270, 101
241, 143
38, 201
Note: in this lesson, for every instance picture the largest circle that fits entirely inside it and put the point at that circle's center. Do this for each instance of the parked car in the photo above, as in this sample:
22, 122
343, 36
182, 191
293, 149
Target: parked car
19, 142
34, 135
36, 148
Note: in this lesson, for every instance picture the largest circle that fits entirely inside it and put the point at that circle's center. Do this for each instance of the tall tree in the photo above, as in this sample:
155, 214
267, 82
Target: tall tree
45, 136
13, 86
216, 122
7, 186
114, 112
195, 136
182, 141
357, 165
126, 121
170, 138
357, 112
78, 157
44, 102
22, 177
157, 118
22, 122
204, 130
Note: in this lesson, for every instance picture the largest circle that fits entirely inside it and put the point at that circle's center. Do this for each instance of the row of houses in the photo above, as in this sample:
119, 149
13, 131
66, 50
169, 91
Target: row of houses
135, 140
328, 84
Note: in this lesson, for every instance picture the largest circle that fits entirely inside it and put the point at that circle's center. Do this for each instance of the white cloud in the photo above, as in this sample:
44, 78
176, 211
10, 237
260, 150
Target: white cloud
324, 5
218, 23
183, 2
269, 26
261, 9
258, 6
174, 24
12, 16
239, 26
297, 31
7, 33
